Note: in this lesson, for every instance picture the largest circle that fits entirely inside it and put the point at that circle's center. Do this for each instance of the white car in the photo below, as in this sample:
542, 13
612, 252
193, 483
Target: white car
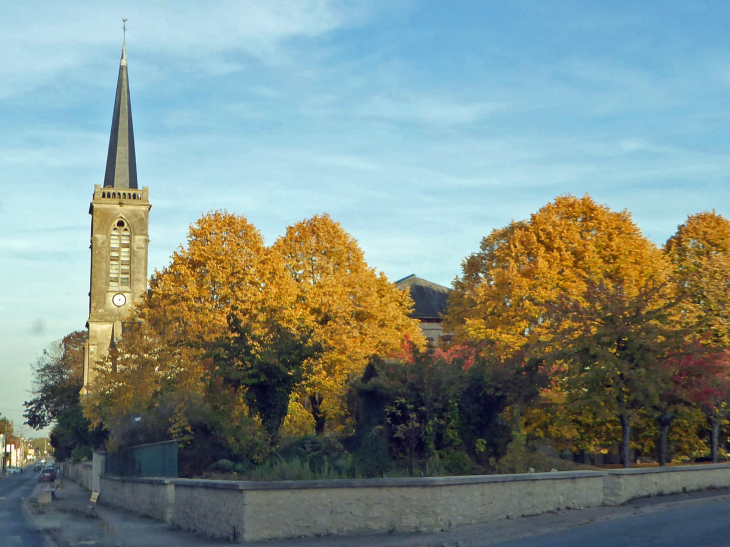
14, 470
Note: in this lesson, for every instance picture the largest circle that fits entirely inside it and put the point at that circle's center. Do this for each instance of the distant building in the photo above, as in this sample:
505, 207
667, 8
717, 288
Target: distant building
430, 303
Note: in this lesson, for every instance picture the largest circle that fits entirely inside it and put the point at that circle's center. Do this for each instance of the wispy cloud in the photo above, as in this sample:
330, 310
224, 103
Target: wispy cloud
38, 44
429, 109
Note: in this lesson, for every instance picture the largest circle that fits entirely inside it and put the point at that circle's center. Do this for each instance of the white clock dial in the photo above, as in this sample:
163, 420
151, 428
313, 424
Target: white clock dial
119, 300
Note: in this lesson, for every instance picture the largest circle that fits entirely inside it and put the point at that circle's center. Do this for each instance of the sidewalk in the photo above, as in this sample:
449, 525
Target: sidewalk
66, 522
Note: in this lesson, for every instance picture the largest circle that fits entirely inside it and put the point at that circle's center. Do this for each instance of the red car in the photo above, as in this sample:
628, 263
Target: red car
47, 475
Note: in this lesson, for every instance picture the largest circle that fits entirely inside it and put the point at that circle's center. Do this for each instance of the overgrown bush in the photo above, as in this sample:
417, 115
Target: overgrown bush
81, 453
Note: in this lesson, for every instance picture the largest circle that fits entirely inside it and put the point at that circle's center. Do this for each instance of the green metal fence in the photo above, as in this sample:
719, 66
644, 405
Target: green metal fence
145, 460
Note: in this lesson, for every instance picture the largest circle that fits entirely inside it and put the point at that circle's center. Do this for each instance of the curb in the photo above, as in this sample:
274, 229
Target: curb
50, 542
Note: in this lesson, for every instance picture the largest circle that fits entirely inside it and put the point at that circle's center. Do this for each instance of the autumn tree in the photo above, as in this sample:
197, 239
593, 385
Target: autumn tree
231, 328
505, 290
225, 268
352, 312
543, 287
159, 368
700, 255
670, 399
617, 350
705, 381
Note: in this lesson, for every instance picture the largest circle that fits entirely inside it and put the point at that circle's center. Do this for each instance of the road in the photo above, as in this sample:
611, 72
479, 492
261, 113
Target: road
15, 529
702, 523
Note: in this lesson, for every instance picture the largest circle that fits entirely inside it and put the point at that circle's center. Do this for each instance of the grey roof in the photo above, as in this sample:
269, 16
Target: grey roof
121, 163
430, 300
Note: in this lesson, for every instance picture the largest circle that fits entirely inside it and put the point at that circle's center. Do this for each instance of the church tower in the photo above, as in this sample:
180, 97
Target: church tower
119, 235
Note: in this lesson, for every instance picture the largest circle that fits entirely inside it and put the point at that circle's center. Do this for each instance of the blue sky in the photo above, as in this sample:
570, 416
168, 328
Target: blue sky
419, 125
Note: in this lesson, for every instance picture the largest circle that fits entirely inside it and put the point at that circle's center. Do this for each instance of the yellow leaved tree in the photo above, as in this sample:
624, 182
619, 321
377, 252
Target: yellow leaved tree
353, 312
225, 268
506, 290
196, 351
578, 287
700, 255
158, 368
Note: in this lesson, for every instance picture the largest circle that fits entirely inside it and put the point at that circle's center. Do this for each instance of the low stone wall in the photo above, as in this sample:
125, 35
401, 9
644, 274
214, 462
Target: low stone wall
622, 485
78, 472
212, 508
410, 505
146, 496
249, 511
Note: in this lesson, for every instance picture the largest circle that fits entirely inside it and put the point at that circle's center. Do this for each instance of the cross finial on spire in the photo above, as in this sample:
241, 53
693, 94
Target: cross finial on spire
123, 62
121, 165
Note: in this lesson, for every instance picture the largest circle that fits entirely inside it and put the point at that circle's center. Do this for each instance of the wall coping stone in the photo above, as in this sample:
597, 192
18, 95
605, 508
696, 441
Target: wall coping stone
668, 469
149, 480
416, 482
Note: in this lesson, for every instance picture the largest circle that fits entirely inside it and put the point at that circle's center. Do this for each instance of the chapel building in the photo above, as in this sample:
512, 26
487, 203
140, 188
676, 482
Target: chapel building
119, 236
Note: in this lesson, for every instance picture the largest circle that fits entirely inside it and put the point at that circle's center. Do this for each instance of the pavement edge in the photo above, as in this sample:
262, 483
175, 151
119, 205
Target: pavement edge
50, 542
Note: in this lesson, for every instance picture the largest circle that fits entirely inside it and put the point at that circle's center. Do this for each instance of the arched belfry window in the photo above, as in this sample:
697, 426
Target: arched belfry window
119, 255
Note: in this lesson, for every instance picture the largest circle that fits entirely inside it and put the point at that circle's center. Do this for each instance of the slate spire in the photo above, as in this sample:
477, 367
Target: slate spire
121, 163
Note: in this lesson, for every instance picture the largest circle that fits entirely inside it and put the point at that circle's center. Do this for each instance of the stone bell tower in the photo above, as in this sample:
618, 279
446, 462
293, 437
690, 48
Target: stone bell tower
119, 235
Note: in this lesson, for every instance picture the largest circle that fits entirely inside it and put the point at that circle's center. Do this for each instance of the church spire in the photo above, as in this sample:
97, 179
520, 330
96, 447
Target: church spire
121, 163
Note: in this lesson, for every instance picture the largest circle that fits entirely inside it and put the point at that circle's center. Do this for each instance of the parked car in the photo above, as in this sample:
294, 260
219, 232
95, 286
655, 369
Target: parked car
47, 475
14, 470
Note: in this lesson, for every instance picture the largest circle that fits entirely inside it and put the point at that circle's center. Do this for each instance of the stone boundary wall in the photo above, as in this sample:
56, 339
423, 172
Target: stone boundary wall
249, 511
78, 472
622, 485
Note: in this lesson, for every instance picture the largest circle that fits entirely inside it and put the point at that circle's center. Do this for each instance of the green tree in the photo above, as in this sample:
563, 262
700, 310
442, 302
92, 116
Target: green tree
265, 368
41, 444
58, 378
426, 409
6, 428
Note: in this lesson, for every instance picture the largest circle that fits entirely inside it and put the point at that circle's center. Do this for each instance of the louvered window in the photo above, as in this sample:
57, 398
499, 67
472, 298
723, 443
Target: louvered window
120, 255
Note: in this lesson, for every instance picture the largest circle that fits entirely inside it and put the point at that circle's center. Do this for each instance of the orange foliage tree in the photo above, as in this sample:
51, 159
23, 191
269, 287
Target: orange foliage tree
157, 369
351, 311
562, 287
174, 360
700, 255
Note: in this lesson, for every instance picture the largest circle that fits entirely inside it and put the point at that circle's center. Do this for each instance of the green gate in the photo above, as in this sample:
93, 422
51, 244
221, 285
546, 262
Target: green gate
145, 460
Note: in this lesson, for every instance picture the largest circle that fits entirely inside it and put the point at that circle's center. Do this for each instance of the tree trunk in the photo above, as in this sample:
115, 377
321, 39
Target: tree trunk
319, 418
626, 440
715, 438
664, 420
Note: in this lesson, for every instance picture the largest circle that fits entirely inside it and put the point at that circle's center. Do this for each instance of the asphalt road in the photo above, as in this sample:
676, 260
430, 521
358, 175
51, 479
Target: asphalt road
15, 529
706, 523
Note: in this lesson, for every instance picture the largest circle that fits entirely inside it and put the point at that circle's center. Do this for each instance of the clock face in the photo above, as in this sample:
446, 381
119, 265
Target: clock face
119, 300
